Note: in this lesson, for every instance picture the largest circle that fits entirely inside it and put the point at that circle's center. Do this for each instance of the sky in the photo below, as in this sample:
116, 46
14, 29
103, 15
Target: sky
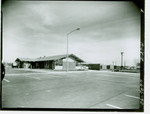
33, 29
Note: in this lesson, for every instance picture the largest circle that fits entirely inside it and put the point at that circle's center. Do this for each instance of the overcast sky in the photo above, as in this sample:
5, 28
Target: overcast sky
33, 29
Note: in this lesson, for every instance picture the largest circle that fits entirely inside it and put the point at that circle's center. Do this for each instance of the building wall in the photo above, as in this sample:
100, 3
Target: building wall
62, 64
71, 65
112, 67
104, 67
20, 64
58, 67
26, 65
38, 64
94, 66
44, 65
59, 62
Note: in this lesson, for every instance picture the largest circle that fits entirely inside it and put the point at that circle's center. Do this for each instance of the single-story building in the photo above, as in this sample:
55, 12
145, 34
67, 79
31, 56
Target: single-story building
98, 66
107, 67
92, 66
57, 62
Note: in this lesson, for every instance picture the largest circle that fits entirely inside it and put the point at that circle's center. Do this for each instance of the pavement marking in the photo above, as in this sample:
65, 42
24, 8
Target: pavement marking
113, 106
132, 96
6, 80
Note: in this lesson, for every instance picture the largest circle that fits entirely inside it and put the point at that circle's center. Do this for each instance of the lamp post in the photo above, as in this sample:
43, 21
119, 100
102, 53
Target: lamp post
67, 46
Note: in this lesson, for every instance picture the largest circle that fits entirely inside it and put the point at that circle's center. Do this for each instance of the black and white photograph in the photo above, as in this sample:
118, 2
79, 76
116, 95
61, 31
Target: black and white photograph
72, 55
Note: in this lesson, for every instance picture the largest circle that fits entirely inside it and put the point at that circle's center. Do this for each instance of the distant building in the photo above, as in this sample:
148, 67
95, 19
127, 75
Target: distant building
57, 62
108, 67
98, 66
104, 67
92, 66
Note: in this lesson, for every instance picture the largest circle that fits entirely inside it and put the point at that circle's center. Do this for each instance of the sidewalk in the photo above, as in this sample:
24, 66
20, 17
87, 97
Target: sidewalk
63, 71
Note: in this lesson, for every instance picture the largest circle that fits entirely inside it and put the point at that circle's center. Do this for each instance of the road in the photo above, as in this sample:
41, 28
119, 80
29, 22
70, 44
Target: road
74, 89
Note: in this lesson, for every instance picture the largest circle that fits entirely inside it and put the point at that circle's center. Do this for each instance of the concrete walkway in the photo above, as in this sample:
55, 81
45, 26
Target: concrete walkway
62, 71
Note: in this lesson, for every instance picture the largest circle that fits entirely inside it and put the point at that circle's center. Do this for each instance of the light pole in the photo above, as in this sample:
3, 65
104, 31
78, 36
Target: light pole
67, 46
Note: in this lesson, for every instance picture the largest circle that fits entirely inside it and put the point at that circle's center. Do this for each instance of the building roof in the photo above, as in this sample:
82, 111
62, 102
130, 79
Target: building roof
57, 57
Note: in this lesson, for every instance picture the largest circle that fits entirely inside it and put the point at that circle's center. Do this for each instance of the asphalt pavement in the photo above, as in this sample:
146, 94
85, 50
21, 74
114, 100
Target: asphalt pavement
74, 89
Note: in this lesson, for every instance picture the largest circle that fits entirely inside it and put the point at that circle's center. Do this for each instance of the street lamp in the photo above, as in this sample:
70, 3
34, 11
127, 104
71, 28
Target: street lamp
67, 46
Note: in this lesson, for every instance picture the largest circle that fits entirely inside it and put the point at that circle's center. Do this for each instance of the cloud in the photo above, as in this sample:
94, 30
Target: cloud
42, 26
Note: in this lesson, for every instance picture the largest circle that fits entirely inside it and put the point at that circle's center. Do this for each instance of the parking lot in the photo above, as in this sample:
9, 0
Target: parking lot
74, 89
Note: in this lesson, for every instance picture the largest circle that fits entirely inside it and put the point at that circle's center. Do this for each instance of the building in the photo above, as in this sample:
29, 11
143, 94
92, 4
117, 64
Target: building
108, 67
92, 66
98, 66
57, 62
